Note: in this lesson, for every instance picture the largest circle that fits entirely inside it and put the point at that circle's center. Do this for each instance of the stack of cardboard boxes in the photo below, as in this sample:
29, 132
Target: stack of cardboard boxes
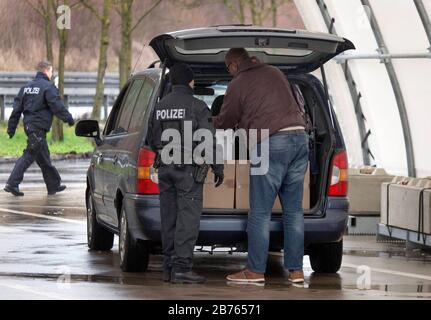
242, 183
234, 192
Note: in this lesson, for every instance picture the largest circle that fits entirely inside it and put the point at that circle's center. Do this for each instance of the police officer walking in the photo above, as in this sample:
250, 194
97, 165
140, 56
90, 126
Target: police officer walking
38, 101
181, 191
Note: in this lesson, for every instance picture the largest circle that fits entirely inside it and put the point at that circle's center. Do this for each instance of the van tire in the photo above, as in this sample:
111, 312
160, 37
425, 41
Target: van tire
326, 257
98, 238
134, 255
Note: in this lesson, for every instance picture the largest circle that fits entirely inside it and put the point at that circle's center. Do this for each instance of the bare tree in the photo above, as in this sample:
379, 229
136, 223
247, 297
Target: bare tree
125, 11
237, 8
103, 52
44, 9
274, 10
63, 35
258, 10
275, 4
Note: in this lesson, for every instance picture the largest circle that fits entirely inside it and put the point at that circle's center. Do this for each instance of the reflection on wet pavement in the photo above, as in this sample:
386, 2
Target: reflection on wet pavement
43, 254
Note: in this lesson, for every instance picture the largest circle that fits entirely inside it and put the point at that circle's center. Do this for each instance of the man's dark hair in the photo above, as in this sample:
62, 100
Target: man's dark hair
43, 65
236, 54
181, 74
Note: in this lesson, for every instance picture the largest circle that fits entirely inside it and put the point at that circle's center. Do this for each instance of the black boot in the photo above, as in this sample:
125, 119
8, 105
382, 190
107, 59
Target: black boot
186, 277
59, 189
14, 190
167, 274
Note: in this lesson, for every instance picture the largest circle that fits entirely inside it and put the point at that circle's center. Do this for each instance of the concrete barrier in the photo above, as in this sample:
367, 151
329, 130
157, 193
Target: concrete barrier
364, 189
406, 204
427, 211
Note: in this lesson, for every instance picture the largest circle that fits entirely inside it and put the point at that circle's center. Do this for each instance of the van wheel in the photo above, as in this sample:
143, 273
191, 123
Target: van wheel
98, 238
326, 257
134, 256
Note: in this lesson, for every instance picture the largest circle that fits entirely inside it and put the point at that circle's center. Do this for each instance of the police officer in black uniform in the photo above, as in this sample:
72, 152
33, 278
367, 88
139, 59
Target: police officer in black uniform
38, 101
180, 195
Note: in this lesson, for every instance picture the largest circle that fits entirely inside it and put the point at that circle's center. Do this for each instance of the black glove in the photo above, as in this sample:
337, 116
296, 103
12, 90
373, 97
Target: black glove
157, 161
218, 175
71, 122
11, 134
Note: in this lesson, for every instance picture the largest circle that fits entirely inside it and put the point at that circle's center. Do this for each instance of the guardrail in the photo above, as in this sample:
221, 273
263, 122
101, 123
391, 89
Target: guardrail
80, 89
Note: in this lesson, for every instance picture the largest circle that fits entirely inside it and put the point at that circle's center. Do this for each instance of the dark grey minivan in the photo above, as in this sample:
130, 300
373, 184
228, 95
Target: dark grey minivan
122, 191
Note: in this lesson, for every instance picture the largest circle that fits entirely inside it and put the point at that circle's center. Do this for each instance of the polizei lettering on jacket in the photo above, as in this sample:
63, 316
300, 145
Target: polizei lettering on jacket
31, 90
170, 114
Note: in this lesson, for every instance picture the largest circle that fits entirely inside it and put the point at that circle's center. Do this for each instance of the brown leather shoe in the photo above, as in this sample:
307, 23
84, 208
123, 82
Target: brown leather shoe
246, 276
296, 276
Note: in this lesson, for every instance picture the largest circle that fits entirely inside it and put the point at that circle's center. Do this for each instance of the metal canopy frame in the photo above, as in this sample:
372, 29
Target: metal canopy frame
424, 17
355, 94
382, 56
411, 168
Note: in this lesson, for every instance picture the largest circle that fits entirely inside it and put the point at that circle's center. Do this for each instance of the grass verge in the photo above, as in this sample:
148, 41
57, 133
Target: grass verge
15, 146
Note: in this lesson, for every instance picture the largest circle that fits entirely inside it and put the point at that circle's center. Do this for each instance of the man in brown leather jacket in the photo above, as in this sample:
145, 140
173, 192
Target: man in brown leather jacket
260, 97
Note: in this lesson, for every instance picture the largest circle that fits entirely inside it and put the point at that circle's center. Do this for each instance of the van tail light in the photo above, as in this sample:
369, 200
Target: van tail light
146, 177
339, 175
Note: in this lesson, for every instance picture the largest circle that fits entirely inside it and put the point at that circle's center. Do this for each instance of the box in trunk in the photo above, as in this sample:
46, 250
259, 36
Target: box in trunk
243, 184
222, 197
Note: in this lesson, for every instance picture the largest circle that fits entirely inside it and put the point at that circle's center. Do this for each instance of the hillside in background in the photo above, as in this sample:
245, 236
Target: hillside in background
22, 35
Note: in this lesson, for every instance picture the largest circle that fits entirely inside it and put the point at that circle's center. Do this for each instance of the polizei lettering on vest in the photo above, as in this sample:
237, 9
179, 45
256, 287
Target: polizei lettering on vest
170, 114
30, 90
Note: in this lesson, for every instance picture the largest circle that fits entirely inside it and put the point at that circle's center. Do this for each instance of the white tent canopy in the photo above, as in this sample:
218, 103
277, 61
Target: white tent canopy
402, 32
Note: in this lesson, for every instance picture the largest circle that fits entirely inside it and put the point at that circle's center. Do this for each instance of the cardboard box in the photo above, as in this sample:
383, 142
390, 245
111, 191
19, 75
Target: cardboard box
222, 197
243, 184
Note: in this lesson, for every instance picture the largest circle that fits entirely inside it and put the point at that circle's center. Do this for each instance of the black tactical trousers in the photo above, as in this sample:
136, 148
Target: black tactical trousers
181, 208
37, 150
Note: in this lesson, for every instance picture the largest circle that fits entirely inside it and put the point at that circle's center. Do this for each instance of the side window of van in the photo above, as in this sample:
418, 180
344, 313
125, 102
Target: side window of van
115, 112
123, 121
141, 106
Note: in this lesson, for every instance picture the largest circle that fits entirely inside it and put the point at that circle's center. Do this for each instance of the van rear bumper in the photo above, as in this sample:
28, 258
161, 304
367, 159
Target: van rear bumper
229, 229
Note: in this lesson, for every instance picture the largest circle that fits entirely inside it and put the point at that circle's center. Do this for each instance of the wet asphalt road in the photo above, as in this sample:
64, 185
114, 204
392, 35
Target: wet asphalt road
44, 255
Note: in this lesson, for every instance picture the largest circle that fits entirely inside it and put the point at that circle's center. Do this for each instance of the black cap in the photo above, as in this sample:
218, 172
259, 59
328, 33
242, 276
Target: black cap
181, 74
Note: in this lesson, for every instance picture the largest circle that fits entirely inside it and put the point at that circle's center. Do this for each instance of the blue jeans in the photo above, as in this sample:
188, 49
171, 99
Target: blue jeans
288, 161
